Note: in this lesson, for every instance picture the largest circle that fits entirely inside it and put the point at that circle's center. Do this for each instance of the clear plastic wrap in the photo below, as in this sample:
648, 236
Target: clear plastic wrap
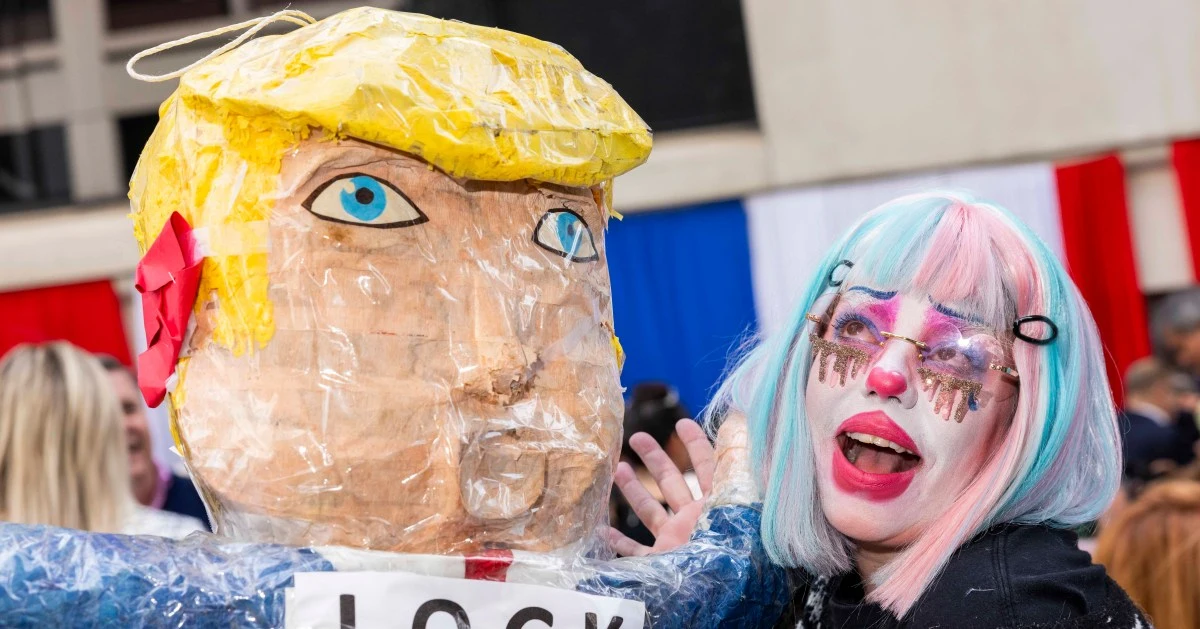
62, 578
56, 577
442, 387
402, 336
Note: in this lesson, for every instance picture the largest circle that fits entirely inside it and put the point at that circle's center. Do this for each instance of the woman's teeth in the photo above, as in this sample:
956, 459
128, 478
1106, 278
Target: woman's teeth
878, 441
875, 455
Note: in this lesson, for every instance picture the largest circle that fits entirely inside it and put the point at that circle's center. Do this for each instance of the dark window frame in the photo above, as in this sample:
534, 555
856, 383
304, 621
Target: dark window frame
24, 22
129, 14
34, 169
680, 64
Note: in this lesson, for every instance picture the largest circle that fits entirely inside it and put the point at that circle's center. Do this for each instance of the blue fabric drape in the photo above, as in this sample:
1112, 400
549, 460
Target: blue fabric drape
682, 297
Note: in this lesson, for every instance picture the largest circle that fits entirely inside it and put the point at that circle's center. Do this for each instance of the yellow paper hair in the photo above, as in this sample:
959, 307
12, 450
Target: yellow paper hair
479, 103
221, 169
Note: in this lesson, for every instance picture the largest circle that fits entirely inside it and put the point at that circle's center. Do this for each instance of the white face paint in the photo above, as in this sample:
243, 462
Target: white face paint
891, 457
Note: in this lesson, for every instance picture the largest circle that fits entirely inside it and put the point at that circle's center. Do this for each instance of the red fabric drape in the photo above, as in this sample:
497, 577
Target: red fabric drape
1099, 249
88, 315
1185, 156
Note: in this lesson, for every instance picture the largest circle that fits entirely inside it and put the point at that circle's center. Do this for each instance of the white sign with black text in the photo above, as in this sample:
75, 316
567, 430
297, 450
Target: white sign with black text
399, 600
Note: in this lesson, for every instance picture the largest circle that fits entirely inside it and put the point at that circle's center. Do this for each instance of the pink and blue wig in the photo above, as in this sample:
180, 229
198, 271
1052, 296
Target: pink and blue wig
1058, 460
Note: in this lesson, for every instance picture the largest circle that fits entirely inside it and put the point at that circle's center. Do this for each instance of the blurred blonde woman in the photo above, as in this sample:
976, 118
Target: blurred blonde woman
63, 456
1152, 549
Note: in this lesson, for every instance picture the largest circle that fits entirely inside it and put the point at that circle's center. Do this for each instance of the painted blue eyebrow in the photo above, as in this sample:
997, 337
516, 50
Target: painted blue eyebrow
877, 294
950, 313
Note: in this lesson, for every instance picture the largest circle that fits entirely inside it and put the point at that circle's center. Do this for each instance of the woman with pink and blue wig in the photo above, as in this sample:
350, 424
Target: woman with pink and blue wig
925, 432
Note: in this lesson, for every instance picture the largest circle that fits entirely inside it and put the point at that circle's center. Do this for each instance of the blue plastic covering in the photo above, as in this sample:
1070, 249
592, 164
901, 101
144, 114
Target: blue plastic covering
722, 578
51, 577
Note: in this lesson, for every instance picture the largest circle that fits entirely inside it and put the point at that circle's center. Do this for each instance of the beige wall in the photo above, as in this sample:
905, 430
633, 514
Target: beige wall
850, 88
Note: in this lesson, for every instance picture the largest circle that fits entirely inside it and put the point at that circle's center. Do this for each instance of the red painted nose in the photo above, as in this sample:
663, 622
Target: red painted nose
886, 383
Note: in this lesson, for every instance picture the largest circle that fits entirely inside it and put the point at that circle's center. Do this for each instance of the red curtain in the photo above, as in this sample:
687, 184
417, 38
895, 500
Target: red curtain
88, 315
1099, 250
1185, 156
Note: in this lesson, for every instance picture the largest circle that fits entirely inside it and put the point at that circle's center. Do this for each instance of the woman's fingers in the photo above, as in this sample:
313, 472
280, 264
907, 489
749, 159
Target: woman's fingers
648, 510
670, 480
700, 451
623, 545
669, 530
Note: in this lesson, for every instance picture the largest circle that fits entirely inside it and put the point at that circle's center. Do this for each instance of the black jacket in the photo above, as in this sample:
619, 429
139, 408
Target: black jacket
1026, 577
1144, 441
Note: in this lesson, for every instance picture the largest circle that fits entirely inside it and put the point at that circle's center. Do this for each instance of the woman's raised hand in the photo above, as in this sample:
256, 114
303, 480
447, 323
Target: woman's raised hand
670, 529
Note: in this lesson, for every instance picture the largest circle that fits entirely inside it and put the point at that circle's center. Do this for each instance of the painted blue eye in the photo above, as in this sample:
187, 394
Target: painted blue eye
566, 233
364, 198
570, 230
360, 199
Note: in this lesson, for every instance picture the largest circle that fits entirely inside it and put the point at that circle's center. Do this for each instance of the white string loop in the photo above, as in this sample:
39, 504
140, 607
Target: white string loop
255, 25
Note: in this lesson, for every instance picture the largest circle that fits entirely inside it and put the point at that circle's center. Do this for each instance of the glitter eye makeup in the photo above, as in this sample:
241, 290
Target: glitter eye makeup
944, 388
953, 361
847, 360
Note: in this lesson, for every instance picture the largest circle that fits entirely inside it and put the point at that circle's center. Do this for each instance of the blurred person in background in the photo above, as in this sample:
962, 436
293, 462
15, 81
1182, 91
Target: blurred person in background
1158, 412
63, 458
154, 484
1152, 549
1175, 332
654, 408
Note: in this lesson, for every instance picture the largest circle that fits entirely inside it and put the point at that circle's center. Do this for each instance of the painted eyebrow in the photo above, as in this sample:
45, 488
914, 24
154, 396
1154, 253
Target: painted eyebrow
877, 294
951, 313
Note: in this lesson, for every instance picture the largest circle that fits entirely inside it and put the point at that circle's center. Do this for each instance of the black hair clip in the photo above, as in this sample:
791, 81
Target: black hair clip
846, 263
1035, 319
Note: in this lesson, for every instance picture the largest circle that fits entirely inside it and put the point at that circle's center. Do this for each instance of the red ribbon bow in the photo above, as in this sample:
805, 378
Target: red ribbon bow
168, 277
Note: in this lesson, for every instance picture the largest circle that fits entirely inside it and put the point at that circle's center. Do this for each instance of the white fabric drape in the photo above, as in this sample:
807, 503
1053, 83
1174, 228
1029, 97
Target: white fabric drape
790, 230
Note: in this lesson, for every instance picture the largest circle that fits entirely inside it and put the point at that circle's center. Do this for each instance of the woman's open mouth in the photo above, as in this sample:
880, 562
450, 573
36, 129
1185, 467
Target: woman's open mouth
876, 455
875, 458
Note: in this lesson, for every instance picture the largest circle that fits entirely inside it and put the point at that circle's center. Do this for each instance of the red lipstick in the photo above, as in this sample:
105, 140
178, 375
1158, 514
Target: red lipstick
874, 487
